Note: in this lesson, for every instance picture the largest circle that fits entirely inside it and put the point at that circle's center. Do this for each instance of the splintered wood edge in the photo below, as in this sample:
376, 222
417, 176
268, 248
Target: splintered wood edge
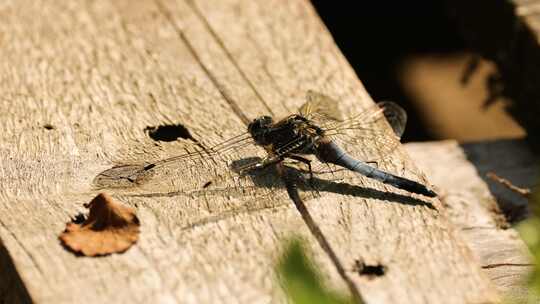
504, 257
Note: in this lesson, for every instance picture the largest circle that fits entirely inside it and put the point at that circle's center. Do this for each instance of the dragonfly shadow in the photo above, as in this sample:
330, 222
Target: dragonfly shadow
264, 178
269, 178
364, 192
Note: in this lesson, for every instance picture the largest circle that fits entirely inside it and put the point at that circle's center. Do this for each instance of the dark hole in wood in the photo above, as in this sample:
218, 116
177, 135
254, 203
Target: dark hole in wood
208, 183
370, 271
169, 132
48, 127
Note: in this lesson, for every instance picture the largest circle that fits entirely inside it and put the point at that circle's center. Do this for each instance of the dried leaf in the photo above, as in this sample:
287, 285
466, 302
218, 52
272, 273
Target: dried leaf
110, 227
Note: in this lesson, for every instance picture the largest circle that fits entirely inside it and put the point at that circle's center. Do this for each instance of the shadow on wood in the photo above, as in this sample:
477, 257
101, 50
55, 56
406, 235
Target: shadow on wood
511, 159
474, 203
12, 289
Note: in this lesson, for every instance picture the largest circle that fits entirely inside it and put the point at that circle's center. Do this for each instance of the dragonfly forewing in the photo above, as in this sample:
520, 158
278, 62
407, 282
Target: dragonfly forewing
219, 170
371, 136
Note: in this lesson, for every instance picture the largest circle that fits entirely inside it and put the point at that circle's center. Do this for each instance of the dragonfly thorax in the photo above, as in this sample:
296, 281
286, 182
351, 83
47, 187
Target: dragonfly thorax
294, 134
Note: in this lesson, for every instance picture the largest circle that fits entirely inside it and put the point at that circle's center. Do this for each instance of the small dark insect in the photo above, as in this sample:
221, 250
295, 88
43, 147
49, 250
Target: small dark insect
316, 138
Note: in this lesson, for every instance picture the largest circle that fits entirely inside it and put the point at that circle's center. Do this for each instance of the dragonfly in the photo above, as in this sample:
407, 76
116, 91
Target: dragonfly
317, 140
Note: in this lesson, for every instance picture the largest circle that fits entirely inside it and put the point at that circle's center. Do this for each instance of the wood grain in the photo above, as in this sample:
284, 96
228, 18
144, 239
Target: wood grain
477, 206
99, 72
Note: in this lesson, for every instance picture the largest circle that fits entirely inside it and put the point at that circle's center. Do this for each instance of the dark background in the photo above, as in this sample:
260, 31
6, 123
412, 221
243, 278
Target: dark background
376, 36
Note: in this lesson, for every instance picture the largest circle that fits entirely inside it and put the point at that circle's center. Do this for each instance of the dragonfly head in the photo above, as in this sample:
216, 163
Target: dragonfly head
259, 127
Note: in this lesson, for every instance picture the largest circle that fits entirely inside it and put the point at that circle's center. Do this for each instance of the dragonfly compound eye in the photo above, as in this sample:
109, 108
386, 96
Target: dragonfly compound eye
259, 127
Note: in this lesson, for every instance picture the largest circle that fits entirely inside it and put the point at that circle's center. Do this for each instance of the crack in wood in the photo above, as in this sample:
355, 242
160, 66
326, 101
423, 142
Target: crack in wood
214, 35
234, 106
224, 215
495, 265
21, 245
325, 245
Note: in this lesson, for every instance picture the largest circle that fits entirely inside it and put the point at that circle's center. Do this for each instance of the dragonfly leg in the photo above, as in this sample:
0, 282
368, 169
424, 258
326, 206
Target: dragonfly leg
308, 163
373, 162
264, 163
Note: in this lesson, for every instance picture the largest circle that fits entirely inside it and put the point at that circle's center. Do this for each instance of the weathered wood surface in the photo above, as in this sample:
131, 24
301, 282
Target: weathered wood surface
481, 208
101, 71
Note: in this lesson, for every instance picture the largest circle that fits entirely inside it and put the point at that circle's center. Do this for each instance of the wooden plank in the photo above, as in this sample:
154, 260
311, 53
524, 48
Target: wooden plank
474, 203
99, 72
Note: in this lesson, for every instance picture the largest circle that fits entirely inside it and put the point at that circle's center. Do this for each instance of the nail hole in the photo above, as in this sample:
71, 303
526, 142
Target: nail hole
370, 271
208, 183
168, 132
48, 126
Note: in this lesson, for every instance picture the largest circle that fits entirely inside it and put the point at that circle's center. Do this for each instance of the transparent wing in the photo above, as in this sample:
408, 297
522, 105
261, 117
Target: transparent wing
205, 184
320, 108
324, 111
366, 133
365, 136
371, 135
198, 170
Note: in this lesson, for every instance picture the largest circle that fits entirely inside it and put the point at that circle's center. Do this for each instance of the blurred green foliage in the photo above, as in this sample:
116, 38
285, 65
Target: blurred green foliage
530, 233
301, 280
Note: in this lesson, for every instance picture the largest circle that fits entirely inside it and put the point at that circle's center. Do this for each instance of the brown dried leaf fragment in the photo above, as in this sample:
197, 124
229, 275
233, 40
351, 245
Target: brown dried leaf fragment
110, 227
